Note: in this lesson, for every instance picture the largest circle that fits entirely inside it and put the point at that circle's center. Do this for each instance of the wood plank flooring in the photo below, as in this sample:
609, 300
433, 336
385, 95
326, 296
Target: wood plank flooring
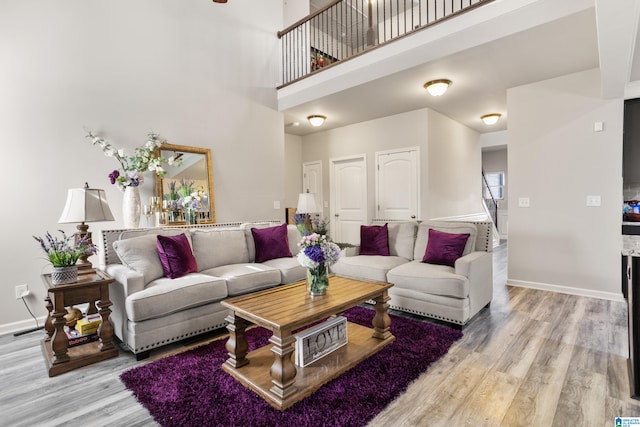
533, 358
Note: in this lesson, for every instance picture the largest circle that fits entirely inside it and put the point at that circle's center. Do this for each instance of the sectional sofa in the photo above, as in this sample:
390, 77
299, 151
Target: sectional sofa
452, 290
164, 292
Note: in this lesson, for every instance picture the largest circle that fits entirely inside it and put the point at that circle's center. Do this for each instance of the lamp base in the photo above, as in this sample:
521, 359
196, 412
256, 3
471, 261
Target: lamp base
85, 268
83, 264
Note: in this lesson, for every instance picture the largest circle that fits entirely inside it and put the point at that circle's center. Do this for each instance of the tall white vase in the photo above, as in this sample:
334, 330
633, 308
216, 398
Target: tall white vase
131, 209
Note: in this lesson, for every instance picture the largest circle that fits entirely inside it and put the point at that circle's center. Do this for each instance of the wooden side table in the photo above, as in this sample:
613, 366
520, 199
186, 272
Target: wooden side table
90, 287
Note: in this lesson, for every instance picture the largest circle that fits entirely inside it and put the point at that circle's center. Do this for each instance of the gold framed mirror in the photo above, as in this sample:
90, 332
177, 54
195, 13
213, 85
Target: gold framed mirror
195, 173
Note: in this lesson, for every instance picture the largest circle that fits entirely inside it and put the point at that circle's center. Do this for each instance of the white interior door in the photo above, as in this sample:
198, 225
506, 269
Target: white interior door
312, 182
348, 178
398, 184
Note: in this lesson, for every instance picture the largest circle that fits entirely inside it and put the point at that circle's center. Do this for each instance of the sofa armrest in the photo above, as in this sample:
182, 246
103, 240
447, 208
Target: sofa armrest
131, 281
478, 268
127, 282
464, 265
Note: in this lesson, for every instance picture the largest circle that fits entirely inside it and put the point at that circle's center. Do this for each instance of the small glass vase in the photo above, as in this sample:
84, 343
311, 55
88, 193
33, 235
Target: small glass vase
318, 280
190, 216
64, 275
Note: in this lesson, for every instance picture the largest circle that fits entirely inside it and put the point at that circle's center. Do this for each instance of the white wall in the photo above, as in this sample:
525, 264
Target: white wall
450, 158
557, 160
493, 140
293, 170
454, 186
198, 73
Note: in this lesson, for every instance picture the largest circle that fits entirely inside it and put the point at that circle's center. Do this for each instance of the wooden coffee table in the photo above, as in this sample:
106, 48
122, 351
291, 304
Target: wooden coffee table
270, 371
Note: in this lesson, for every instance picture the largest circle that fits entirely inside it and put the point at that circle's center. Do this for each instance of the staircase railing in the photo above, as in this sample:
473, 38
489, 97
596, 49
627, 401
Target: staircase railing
346, 28
491, 202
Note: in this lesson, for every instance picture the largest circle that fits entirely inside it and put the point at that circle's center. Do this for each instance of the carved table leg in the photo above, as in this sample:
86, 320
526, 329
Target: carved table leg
283, 371
48, 324
60, 342
381, 321
91, 309
236, 346
105, 330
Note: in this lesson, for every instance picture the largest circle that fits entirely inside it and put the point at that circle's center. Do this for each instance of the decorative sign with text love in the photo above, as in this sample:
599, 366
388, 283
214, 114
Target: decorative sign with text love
317, 342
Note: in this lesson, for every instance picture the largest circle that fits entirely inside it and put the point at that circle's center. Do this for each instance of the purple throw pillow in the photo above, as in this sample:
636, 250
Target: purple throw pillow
444, 248
176, 256
374, 240
271, 243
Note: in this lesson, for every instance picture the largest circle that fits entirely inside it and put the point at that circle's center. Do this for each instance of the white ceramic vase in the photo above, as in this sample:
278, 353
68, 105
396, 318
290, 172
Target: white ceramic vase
64, 275
131, 209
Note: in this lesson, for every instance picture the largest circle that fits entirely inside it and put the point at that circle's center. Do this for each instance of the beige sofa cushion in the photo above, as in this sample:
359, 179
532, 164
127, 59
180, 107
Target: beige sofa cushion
245, 278
290, 269
371, 267
422, 237
213, 248
141, 254
429, 279
164, 296
402, 236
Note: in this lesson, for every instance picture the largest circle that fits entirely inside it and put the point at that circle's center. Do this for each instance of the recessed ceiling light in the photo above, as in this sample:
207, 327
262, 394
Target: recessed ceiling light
316, 120
437, 87
491, 119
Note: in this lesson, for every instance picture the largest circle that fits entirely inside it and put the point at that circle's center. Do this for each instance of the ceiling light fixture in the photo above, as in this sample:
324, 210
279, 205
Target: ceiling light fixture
491, 119
437, 87
316, 120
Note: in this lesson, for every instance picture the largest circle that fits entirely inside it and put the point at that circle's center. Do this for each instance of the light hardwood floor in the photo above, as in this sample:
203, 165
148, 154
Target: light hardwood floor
533, 358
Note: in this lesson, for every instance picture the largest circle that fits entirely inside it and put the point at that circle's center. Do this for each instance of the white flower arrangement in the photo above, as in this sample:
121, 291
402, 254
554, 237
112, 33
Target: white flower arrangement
145, 158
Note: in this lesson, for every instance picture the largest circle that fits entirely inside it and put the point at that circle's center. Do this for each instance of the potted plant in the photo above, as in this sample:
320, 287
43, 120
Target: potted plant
63, 253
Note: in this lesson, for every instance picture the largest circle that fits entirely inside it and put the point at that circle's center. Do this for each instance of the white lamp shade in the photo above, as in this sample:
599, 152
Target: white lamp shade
307, 203
86, 205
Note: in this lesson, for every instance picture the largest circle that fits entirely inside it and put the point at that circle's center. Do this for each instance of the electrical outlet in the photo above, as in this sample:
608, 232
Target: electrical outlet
22, 291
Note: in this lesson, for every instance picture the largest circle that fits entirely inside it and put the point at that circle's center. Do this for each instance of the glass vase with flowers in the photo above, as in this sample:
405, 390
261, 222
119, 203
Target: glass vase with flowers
317, 254
191, 200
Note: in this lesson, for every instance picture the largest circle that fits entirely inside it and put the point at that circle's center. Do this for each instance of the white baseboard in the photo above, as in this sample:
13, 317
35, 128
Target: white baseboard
23, 325
612, 296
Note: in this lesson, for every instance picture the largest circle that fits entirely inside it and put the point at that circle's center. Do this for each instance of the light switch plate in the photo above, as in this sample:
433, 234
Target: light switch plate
276, 204
593, 200
524, 202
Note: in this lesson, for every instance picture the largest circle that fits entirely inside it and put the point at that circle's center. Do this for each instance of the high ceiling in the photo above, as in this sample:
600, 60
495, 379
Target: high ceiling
481, 76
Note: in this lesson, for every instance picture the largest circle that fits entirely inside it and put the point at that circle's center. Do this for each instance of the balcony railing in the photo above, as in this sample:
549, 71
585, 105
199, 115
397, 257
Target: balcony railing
347, 28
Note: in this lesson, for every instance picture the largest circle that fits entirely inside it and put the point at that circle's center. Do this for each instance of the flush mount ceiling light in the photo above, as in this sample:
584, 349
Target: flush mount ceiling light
491, 119
316, 120
437, 87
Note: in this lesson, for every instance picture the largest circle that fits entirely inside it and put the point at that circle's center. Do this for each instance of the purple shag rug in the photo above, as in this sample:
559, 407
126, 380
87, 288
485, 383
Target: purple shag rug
191, 389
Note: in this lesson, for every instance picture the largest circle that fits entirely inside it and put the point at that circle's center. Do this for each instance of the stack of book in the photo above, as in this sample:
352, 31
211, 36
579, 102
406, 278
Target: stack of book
85, 331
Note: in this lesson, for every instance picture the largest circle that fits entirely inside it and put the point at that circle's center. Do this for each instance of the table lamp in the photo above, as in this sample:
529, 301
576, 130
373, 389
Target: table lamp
307, 205
85, 205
